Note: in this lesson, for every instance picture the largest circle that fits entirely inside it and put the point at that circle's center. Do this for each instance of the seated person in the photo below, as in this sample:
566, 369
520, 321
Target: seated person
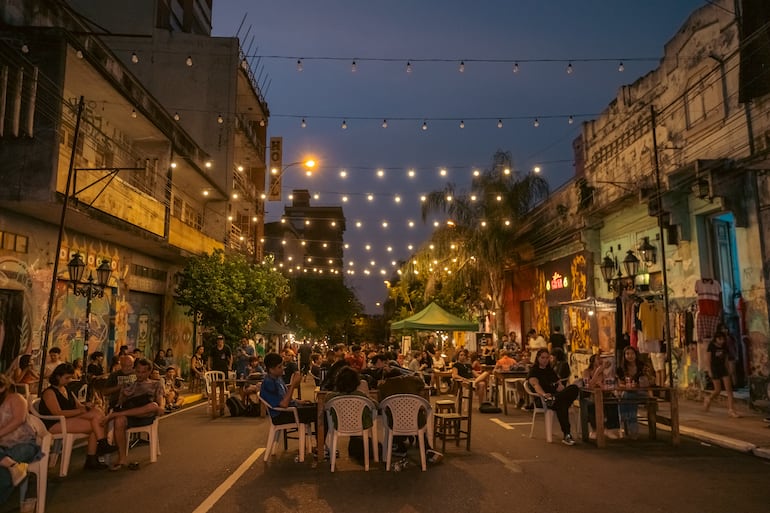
546, 384
18, 444
349, 382
24, 373
593, 377
117, 379
57, 399
426, 367
633, 373
277, 394
254, 376
138, 404
315, 368
171, 394
488, 352
334, 362
560, 365
397, 383
505, 363
463, 370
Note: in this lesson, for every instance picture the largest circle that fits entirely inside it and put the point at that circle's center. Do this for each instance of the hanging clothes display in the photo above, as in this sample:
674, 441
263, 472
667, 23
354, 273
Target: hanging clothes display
709, 308
651, 315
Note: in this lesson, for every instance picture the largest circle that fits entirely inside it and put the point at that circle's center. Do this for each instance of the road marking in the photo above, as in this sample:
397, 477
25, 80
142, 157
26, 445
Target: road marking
217, 494
181, 410
500, 423
509, 464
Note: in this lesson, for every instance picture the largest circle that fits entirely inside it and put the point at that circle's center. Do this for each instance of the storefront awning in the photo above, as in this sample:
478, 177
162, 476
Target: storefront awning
591, 303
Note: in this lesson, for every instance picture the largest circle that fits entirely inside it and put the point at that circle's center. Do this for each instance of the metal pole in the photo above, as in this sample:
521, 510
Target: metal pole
55, 272
89, 293
667, 332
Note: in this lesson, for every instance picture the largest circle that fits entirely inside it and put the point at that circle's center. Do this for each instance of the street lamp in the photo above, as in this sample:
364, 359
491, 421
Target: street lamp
276, 174
89, 289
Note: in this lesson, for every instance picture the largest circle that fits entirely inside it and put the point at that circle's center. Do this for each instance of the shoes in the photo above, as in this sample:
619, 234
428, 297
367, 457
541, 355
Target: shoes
433, 457
612, 434
103, 447
568, 440
592, 435
92, 463
18, 473
732, 413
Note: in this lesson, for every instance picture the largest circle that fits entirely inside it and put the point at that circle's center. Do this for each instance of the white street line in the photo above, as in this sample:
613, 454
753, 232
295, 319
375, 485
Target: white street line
509, 464
181, 410
217, 494
500, 423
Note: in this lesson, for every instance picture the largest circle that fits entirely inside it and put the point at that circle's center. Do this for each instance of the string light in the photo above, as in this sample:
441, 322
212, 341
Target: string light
353, 67
176, 116
424, 125
262, 122
299, 64
515, 67
189, 61
536, 169
462, 124
344, 125
461, 69
411, 173
499, 123
570, 120
536, 123
25, 48
79, 54
384, 123
220, 119
134, 58
380, 173
621, 68
133, 113
303, 123
569, 69
408, 67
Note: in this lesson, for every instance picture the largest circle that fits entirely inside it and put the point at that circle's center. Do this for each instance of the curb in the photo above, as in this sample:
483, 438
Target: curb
721, 441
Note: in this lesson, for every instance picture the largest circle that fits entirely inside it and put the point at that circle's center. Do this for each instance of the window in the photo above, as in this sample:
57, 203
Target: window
14, 242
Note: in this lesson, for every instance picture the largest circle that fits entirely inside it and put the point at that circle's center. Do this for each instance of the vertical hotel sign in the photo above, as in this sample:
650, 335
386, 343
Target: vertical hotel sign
276, 166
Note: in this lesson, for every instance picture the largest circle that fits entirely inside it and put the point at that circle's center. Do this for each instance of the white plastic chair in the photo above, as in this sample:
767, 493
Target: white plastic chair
548, 414
402, 418
209, 377
152, 434
39, 467
67, 439
276, 430
348, 411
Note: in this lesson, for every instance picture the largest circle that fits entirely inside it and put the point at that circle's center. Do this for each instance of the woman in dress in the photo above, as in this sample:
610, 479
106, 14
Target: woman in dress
17, 439
57, 399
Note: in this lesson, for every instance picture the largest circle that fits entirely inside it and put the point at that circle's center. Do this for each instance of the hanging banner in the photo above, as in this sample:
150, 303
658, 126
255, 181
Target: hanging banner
275, 169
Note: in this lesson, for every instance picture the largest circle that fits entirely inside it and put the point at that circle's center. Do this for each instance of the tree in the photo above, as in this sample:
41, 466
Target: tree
321, 307
231, 295
479, 237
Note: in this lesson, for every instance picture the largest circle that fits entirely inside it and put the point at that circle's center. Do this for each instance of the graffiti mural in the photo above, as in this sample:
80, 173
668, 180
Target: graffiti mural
580, 332
539, 303
177, 334
143, 322
68, 323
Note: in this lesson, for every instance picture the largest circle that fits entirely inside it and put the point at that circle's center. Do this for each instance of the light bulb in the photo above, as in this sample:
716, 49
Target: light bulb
462, 66
303, 124
353, 67
384, 123
408, 67
299, 64
536, 169
621, 67
499, 123
244, 63
188, 61
462, 124
24, 48
570, 120
133, 113
515, 67
569, 69
262, 122
176, 116
134, 58
220, 119
344, 125
424, 125
79, 53
536, 123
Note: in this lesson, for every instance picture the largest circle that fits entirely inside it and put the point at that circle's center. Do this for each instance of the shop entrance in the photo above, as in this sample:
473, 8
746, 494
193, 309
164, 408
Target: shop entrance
11, 313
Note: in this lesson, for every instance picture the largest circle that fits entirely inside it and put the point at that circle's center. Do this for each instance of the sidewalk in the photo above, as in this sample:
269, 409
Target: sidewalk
746, 434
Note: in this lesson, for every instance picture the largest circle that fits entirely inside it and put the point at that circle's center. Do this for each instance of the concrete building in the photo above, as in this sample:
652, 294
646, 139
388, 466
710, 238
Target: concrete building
692, 123
153, 183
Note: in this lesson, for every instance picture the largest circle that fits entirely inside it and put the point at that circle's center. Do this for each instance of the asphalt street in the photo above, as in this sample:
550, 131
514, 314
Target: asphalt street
217, 466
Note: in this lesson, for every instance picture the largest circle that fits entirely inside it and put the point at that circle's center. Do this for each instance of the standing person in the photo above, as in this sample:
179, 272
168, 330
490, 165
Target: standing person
430, 345
221, 358
545, 383
17, 439
305, 350
535, 342
57, 399
557, 339
138, 404
243, 353
717, 357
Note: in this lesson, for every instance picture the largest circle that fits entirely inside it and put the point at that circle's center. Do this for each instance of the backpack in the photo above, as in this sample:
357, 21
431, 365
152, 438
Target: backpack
487, 407
252, 410
236, 406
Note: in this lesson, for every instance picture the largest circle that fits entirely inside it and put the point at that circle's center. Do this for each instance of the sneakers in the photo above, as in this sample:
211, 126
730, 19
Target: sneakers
18, 473
612, 434
433, 457
568, 440
103, 447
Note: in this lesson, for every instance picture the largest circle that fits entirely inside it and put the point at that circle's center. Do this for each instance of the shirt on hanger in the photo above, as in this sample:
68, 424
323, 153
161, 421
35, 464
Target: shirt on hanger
709, 297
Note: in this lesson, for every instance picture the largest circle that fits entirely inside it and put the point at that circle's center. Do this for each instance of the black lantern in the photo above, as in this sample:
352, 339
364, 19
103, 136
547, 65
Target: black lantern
648, 252
631, 264
608, 268
76, 266
103, 273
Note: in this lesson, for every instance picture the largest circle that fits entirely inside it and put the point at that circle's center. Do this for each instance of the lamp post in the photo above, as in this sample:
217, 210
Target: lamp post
89, 289
276, 174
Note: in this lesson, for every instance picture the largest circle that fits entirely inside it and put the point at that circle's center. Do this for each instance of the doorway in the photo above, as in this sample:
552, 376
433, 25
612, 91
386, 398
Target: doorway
11, 314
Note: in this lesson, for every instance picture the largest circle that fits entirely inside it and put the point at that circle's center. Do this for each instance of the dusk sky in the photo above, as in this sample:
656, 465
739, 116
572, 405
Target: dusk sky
435, 37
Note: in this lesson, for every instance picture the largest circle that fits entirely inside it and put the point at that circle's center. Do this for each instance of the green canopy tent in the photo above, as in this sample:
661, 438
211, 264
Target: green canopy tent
433, 317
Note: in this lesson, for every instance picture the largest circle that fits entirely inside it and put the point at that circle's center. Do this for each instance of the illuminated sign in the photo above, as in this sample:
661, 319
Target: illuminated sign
556, 282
